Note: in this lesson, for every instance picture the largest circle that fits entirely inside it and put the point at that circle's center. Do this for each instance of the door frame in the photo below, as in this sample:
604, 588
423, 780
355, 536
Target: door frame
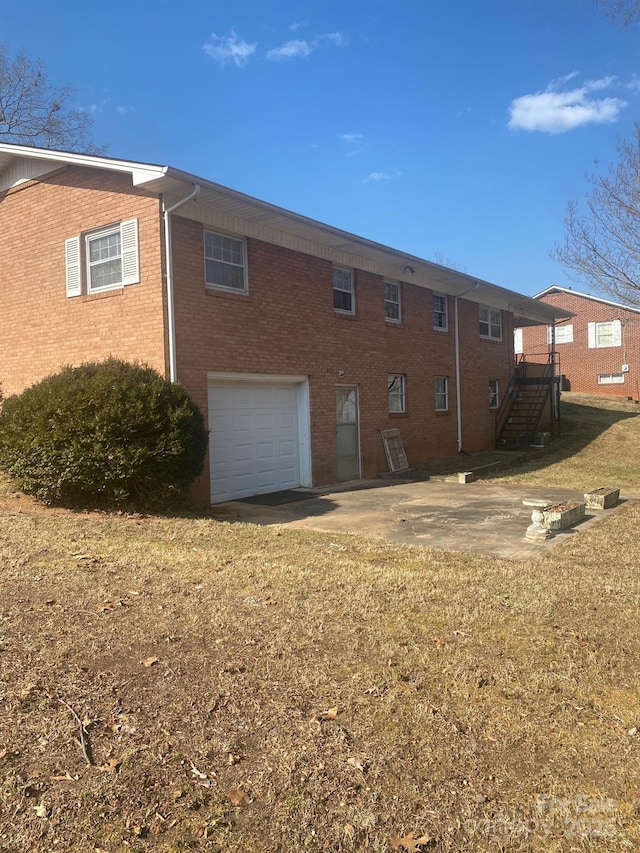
350, 385
303, 408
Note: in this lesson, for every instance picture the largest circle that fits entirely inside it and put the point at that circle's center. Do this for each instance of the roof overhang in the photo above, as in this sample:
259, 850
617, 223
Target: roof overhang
260, 217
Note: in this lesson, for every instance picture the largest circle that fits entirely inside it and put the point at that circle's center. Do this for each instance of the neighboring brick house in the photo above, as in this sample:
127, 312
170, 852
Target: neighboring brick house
597, 350
300, 342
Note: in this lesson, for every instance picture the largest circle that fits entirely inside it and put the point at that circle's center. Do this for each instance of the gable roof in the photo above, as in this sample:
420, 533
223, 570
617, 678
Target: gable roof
555, 288
275, 224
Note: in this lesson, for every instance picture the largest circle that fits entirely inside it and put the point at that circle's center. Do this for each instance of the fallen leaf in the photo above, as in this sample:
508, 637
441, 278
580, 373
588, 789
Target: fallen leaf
112, 765
197, 773
238, 797
67, 777
410, 843
361, 764
349, 830
41, 810
150, 661
329, 714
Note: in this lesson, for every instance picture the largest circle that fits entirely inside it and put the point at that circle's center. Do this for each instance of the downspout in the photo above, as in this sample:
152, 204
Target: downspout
456, 338
171, 322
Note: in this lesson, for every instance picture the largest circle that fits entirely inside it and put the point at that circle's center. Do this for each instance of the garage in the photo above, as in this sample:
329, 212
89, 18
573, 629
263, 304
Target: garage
258, 434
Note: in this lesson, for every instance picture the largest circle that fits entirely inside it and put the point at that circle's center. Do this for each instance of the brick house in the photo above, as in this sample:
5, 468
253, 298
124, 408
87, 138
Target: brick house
597, 349
299, 341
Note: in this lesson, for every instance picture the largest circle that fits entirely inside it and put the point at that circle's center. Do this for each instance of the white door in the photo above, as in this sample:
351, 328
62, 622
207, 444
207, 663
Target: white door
254, 444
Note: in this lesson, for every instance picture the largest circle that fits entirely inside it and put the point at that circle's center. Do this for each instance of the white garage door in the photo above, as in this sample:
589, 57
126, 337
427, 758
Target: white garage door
254, 442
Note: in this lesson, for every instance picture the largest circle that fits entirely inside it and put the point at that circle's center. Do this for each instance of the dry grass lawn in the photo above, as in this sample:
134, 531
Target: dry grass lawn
178, 684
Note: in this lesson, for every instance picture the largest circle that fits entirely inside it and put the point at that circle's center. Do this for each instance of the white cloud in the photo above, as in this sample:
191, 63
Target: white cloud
301, 48
352, 138
291, 50
555, 111
124, 110
337, 39
382, 176
298, 25
229, 49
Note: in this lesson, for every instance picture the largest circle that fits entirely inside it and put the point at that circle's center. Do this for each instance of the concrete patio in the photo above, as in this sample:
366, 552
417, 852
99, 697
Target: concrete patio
479, 517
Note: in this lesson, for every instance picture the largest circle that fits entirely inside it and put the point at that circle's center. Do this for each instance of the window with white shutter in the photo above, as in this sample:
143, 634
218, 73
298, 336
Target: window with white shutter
601, 335
111, 259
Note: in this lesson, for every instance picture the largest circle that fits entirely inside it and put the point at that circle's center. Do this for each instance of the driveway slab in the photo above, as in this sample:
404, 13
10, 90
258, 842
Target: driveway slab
479, 517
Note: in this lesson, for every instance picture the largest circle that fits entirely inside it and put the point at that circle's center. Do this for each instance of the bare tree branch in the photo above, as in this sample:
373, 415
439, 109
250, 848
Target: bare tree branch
625, 12
602, 245
34, 112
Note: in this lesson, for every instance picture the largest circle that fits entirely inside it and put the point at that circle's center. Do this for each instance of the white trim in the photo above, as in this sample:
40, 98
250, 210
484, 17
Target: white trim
129, 254
446, 393
444, 328
303, 405
557, 289
335, 290
488, 323
285, 378
397, 320
245, 278
400, 396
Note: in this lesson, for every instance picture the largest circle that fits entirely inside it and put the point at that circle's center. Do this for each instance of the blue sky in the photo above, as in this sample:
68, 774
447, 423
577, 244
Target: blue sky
455, 130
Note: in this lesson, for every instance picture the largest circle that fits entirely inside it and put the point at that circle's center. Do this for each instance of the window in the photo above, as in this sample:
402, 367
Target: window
601, 335
440, 319
494, 396
343, 296
110, 259
564, 334
442, 394
395, 388
392, 302
610, 378
490, 323
224, 262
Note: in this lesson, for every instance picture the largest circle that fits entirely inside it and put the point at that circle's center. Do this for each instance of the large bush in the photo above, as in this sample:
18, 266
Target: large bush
106, 434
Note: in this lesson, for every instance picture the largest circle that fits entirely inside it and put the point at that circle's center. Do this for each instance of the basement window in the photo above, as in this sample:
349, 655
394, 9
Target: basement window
610, 378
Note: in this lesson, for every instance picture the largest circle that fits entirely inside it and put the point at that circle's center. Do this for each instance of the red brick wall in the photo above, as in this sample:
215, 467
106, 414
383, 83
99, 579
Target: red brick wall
580, 364
286, 324
40, 328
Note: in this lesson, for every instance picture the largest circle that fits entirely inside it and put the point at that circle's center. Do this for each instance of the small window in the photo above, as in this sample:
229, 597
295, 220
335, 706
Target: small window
602, 335
442, 393
392, 302
224, 262
440, 319
490, 323
109, 256
395, 389
610, 378
564, 334
494, 395
343, 296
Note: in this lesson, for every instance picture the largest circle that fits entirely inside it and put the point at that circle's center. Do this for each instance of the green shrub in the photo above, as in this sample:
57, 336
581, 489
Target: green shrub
106, 434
